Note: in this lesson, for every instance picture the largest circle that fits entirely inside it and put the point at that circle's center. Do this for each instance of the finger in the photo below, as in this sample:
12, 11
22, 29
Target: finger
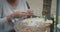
30, 10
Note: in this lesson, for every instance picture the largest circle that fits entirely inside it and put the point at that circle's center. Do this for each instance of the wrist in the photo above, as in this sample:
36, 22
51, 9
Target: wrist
8, 18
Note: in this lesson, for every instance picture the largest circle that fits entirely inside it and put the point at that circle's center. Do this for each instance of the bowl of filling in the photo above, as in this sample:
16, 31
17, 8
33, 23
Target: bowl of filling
31, 25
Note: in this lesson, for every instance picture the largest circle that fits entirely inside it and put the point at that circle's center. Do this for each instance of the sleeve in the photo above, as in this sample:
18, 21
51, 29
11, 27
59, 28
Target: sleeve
4, 26
2, 20
1, 14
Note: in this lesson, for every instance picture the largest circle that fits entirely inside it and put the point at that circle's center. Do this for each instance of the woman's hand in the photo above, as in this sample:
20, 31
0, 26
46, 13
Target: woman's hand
15, 15
30, 13
19, 15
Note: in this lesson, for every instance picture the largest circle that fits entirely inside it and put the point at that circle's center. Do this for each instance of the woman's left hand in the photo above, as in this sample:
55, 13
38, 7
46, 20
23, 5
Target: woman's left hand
30, 13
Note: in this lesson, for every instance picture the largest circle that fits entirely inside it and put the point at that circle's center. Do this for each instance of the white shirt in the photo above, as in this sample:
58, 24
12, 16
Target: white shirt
7, 10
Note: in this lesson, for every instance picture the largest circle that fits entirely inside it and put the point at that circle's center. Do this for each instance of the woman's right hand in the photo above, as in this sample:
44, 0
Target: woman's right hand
19, 14
15, 15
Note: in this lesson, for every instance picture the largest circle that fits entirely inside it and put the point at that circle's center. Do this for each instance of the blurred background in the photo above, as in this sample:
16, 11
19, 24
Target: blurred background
37, 6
